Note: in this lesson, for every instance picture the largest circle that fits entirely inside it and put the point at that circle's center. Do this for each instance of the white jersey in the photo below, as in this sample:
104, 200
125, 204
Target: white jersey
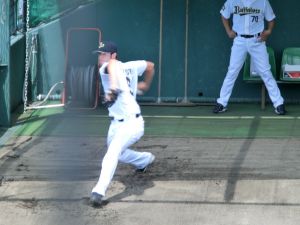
248, 15
127, 78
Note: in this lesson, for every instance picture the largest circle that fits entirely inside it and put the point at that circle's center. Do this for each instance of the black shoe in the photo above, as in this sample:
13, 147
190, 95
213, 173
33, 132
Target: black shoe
96, 199
280, 110
143, 170
219, 108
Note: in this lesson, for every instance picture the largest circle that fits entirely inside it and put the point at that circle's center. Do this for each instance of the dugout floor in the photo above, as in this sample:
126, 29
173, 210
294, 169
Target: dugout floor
237, 168
241, 121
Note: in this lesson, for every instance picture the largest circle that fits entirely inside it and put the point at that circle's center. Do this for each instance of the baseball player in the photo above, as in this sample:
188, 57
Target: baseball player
249, 36
120, 84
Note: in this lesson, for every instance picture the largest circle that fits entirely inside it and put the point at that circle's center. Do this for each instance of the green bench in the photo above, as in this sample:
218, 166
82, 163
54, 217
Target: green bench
290, 57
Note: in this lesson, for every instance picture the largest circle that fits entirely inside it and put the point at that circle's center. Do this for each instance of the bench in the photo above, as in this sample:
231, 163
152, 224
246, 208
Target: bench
291, 56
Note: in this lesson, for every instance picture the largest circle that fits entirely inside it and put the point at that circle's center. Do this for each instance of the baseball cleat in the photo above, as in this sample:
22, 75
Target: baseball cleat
96, 199
151, 160
219, 108
280, 110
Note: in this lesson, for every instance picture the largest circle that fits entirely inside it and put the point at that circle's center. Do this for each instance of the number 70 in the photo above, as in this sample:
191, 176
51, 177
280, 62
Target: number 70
254, 19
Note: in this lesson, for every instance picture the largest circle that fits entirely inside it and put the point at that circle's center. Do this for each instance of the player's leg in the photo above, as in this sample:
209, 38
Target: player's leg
125, 134
260, 57
237, 59
138, 159
109, 161
99, 190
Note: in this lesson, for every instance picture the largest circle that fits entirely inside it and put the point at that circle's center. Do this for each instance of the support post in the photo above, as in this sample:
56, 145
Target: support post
5, 118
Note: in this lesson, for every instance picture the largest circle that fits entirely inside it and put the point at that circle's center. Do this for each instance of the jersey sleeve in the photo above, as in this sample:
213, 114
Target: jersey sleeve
269, 14
104, 77
103, 69
139, 66
226, 10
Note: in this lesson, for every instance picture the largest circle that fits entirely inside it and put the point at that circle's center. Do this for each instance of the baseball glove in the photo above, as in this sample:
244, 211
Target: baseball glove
110, 98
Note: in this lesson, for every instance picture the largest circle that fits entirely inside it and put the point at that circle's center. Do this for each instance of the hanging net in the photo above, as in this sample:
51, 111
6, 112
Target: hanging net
45, 11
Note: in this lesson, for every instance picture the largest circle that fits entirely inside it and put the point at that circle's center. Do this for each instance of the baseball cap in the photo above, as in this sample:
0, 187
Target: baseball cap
107, 46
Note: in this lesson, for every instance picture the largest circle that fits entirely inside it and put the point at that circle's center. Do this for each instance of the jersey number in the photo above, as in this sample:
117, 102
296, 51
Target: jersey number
254, 19
128, 83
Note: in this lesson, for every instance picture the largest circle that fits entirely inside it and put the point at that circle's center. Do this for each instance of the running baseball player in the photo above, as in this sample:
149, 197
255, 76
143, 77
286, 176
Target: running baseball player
249, 36
120, 84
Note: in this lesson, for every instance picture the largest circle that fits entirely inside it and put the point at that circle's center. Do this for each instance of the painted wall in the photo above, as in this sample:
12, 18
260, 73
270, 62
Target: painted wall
17, 68
52, 39
194, 47
4, 65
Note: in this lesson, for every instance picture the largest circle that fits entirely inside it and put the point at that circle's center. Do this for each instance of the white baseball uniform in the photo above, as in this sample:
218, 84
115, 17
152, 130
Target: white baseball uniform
127, 124
248, 19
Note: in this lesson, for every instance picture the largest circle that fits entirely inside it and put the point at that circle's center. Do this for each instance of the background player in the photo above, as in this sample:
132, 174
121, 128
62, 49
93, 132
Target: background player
249, 36
120, 83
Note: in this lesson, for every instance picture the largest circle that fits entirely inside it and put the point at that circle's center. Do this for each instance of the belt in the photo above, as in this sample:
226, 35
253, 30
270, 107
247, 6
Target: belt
248, 35
122, 120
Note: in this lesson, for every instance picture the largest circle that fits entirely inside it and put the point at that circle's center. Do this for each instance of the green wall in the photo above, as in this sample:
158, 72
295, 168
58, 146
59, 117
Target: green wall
173, 49
11, 80
52, 46
4, 64
4, 97
135, 26
17, 68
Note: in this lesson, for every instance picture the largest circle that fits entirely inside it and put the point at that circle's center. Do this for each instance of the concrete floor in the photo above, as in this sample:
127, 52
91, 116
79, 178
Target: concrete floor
47, 179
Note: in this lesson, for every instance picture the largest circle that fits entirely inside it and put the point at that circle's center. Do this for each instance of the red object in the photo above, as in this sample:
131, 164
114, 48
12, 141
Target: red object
294, 74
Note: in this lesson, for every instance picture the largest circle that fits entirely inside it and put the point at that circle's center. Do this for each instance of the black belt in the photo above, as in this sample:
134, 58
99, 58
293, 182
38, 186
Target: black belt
122, 120
248, 35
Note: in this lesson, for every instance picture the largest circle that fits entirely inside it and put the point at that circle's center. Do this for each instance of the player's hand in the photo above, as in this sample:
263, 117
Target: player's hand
110, 98
231, 34
142, 86
264, 35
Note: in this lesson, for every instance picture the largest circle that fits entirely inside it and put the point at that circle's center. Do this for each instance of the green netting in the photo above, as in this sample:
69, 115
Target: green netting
44, 11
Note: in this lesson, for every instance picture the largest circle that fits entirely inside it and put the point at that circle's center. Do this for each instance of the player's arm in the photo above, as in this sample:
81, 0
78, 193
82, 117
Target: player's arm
148, 77
112, 94
112, 69
226, 24
266, 33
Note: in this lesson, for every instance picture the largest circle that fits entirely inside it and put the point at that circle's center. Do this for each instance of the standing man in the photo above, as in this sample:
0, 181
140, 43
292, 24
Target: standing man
249, 36
120, 84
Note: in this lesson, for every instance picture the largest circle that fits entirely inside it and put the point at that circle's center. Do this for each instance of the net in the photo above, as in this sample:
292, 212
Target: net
44, 11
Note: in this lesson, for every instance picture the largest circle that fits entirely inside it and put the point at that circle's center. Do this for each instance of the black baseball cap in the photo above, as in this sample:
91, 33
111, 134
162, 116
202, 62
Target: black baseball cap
107, 46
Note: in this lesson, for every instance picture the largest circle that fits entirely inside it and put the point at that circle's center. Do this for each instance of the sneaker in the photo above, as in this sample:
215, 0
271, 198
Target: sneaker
219, 108
96, 199
143, 170
280, 110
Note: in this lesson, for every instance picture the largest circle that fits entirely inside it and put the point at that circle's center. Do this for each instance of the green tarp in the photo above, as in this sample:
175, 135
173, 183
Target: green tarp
44, 11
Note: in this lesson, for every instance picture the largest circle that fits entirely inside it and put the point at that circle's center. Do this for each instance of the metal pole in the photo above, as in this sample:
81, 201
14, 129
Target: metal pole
186, 51
160, 51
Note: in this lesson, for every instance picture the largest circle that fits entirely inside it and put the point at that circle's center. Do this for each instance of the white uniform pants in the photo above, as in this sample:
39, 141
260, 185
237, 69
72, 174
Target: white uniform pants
121, 135
260, 57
